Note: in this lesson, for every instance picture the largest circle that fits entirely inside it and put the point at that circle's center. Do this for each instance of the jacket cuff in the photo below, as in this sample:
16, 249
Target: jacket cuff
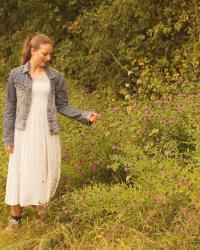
8, 142
86, 116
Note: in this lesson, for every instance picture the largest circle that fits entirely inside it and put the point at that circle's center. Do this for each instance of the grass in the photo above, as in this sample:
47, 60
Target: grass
119, 188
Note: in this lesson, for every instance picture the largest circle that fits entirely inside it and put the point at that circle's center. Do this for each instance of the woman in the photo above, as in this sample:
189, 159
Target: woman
35, 93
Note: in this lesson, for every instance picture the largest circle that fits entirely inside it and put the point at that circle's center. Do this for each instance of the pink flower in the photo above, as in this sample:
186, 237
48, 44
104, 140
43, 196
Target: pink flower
114, 147
65, 209
184, 209
181, 182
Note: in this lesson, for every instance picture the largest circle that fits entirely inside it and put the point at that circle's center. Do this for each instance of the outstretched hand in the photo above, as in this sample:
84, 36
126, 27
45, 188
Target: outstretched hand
9, 148
94, 117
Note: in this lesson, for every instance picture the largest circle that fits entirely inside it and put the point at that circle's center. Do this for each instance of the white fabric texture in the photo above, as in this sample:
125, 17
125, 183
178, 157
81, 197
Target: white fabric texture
34, 166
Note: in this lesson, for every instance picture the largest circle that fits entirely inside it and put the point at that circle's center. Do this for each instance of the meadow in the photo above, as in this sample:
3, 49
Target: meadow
131, 180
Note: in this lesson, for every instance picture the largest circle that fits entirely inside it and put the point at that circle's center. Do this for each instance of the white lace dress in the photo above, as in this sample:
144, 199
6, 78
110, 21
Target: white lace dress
34, 166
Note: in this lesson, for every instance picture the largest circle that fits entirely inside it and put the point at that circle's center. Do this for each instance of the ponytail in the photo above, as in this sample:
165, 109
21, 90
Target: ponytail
33, 41
26, 50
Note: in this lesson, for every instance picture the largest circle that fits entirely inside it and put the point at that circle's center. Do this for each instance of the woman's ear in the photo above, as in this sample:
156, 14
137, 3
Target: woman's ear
32, 51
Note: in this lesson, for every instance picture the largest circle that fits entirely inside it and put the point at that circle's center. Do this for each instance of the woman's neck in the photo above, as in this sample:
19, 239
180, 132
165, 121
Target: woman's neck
36, 70
34, 67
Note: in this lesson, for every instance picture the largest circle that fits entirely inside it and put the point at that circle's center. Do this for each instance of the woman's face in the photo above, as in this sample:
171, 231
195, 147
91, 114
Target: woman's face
42, 56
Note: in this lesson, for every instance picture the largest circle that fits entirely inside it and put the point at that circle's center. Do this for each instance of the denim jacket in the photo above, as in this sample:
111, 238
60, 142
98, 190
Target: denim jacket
18, 102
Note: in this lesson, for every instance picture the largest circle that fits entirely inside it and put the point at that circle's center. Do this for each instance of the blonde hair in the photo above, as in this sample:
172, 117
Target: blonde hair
33, 41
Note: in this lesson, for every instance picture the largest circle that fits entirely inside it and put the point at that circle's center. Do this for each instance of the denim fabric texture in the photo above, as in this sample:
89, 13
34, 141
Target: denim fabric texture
18, 102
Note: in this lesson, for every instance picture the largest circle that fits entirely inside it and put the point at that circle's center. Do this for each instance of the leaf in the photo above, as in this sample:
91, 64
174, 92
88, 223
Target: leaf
154, 131
107, 133
128, 177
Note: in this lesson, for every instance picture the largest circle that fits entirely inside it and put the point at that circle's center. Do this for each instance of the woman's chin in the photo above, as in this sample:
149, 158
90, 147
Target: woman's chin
43, 64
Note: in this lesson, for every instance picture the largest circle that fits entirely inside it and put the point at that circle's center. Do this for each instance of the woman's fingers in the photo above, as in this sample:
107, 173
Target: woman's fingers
9, 148
95, 116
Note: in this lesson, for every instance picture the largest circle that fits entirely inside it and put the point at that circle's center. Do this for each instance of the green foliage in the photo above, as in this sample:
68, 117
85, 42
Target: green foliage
131, 181
151, 46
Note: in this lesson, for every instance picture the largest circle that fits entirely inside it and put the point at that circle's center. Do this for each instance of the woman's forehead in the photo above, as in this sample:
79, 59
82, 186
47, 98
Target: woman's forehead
46, 47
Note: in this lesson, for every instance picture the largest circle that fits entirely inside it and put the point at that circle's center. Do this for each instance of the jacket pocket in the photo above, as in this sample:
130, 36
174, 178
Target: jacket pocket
19, 85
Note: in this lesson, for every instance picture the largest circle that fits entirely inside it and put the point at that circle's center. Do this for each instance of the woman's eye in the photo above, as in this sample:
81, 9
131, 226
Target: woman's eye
47, 55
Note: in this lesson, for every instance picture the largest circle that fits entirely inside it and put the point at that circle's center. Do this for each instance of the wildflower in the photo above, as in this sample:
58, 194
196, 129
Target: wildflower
181, 182
65, 209
184, 209
114, 147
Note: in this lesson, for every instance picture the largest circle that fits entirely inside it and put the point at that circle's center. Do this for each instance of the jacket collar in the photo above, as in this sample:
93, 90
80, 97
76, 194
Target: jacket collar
48, 70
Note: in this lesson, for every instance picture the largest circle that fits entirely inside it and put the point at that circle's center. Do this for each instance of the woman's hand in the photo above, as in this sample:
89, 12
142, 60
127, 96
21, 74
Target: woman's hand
9, 148
94, 117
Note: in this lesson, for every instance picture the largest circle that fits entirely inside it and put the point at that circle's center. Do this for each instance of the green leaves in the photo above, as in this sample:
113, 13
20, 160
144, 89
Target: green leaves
154, 131
146, 47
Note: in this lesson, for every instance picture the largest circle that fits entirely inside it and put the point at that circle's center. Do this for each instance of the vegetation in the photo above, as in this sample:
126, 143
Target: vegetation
131, 181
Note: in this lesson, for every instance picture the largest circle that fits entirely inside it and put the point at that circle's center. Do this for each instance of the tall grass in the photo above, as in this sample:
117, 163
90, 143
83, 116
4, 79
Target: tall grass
131, 181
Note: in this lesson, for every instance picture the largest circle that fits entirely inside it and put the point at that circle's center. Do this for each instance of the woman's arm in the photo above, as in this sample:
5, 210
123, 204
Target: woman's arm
65, 108
9, 112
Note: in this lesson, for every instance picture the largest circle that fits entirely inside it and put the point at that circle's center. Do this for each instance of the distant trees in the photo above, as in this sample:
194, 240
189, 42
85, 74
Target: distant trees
138, 47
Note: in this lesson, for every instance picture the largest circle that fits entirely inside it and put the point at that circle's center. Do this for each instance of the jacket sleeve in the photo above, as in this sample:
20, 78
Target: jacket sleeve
64, 108
9, 113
